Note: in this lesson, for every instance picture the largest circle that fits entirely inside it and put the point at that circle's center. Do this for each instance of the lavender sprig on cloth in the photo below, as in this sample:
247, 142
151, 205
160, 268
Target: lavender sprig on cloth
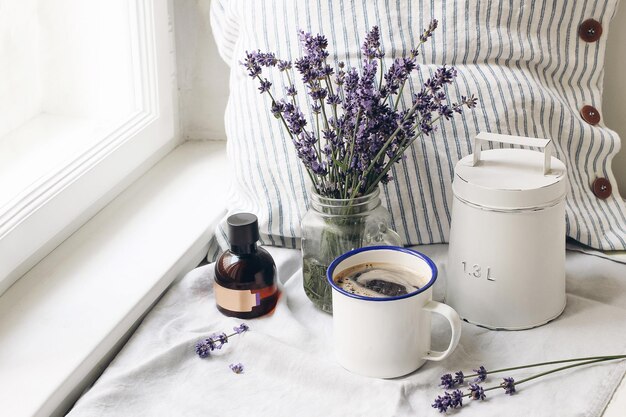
454, 399
356, 129
217, 340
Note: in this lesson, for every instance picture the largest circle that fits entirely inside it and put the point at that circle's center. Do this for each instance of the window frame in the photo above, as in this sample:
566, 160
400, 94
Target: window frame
48, 211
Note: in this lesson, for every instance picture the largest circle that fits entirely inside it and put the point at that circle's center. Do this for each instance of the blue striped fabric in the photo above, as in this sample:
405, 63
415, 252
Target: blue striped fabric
523, 60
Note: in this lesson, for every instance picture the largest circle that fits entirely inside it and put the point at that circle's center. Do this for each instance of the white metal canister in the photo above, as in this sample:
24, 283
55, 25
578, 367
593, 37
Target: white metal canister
506, 261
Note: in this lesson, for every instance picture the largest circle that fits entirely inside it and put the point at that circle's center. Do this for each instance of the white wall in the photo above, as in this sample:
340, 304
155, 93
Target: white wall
203, 78
202, 75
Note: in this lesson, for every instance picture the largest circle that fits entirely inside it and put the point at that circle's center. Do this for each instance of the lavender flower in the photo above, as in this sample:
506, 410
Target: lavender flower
243, 327
371, 46
456, 398
459, 378
318, 93
482, 374
236, 368
203, 349
217, 340
442, 403
284, 65
257, 59
267, 59
340, 77
397, 74
477, 392
448, 400
508, 385
206, 346
265, 86
428, 32
277, 109
333, 99
251, 64
470, 102
294, 118
291, 91
447, 381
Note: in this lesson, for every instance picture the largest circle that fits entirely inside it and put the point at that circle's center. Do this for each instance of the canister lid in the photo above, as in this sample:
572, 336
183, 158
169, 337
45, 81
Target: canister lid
510, 178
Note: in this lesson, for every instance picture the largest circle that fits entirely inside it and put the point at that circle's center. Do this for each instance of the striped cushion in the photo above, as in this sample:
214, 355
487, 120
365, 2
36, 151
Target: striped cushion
524, 61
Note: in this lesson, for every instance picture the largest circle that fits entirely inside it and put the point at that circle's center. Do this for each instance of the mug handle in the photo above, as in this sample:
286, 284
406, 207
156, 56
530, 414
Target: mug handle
455, 323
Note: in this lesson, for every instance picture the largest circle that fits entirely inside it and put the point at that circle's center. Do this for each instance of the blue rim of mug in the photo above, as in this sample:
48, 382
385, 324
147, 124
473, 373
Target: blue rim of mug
338, 260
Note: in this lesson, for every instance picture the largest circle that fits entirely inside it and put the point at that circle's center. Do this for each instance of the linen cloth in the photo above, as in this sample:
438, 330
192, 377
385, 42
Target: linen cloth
290, 369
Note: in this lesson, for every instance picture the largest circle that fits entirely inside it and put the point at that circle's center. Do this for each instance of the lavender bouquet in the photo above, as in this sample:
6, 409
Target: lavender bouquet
357, 129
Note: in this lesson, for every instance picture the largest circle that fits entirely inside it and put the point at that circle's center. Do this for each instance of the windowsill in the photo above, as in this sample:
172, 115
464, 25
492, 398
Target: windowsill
65, 316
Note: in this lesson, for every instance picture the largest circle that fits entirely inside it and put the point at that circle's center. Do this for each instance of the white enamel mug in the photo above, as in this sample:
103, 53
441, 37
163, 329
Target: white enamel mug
387, 337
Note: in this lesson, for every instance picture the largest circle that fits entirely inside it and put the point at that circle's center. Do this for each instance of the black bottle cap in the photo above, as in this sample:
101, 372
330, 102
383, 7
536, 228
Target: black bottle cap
243, 229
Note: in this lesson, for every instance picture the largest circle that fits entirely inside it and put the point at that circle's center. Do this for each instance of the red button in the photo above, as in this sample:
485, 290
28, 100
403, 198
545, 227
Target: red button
590, 115
590, 30
601, 188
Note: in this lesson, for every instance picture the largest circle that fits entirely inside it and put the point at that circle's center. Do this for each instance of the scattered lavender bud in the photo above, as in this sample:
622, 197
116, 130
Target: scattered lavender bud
508, 385
236, 368
243, 327
482, 374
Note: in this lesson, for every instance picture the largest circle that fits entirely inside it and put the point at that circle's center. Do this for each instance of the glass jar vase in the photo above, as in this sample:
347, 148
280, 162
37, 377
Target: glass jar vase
333, 227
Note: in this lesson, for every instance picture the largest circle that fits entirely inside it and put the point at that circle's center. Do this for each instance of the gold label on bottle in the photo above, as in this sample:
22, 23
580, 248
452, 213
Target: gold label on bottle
236, 300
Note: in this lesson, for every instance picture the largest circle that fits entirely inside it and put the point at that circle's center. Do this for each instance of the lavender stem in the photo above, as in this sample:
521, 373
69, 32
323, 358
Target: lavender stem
590, 358
521, 381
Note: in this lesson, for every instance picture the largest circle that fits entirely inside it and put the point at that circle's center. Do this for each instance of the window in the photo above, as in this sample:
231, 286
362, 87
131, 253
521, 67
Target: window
87, 94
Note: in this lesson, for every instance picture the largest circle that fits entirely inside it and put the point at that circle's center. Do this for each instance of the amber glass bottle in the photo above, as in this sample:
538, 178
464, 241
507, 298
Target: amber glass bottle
245, 275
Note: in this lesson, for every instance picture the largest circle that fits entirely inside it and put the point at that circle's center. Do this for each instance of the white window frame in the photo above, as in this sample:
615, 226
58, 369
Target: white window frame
50, 210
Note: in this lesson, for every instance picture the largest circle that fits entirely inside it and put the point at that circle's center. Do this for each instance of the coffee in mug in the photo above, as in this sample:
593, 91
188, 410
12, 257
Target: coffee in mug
379, 279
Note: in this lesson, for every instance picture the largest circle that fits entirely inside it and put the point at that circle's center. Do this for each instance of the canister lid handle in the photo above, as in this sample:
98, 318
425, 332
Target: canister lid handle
484, 137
